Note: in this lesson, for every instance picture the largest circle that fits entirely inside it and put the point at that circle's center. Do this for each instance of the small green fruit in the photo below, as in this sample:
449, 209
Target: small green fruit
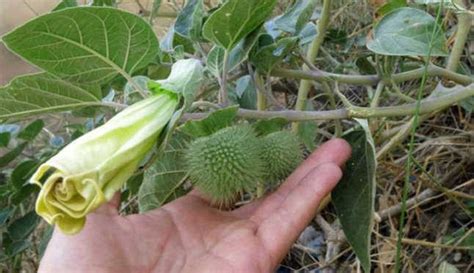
281, 153
225, 163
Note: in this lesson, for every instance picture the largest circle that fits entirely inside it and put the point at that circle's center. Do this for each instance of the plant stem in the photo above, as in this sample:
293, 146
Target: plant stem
261, 99
464, 25
261, 106
411, 145
378, 92
154, 9
321, 76
332, 102
305, 84
223, 95
427, 105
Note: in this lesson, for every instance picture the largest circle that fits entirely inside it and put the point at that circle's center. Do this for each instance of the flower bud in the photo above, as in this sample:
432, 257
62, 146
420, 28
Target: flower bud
88, 171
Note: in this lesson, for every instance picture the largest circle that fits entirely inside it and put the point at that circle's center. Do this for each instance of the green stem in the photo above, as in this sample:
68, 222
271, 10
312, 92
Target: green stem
464, 25
154, 9
332, 102
411, 145
305, 85
428, 105
261, 106
378, 92
321, 76
223, 95
261, 99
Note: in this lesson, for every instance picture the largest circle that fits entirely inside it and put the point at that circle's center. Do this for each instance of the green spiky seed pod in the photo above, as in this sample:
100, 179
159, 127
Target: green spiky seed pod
281, 153
225, 163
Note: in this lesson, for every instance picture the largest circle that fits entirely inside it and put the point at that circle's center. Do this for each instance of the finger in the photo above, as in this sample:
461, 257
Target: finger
280, 229
111, 207
197, 194
336, 151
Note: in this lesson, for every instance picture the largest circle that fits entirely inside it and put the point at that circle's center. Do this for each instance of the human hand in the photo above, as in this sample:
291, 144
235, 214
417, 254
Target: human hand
189, 235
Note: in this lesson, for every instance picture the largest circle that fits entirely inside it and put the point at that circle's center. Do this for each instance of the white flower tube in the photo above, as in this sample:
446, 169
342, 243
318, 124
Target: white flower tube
88, 171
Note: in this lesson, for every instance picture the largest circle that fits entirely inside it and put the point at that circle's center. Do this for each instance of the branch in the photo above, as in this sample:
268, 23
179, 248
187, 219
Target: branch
321, 76
427, 105
311, 55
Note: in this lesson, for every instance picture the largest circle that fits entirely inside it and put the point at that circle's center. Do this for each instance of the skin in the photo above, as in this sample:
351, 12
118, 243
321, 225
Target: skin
189, 235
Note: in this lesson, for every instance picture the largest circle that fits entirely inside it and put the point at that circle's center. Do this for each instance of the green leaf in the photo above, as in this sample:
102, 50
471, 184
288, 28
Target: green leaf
41, 93
10, 156
22, 194
134, 183
246, 92
266, 57
32, 130
307, 34
16, 248
22, 227
190, 19
296, 17
407, 32
214, 122
23, 172
173, 41
354, 195
391, 6
215, 58
65, 4
164, 180
268, 126
5, 214
4, 139
235, 19
89, 45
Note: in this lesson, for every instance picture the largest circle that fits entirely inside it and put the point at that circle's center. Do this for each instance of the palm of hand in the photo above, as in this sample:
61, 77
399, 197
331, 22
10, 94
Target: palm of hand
188, 235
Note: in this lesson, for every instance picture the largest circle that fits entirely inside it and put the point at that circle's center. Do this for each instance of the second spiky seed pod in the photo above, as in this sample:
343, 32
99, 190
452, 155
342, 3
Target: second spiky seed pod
281, 154
225, 163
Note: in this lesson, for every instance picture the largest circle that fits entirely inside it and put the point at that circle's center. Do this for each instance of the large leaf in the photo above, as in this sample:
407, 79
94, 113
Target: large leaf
235, 19
408, 32
164, 180
211, 124
354, 195
296, 17
86, 44
190, 19
40, 93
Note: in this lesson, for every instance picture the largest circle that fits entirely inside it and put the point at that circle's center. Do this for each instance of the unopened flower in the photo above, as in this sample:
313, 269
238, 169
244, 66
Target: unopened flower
88, 171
